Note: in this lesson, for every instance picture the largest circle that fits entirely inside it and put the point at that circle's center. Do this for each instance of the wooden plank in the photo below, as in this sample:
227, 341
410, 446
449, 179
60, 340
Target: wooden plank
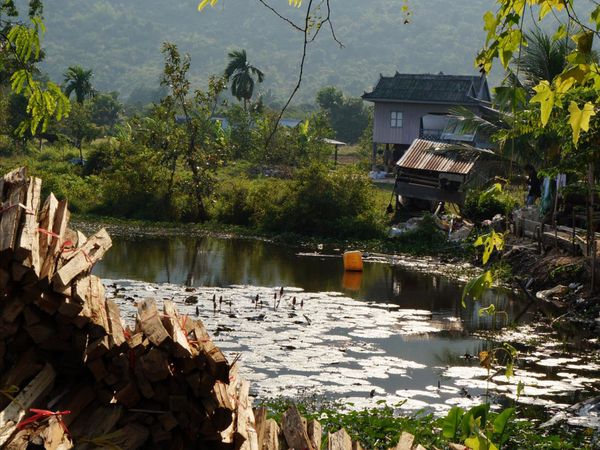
16, 185
260, 419
149, 321
215, 359
271, 438
61, 219
315, 433
46, 222
176, 328
28, 243
245, 434
26, 366
13, 413
406, 441
340, 440
84, 258
90, 291
294, 429
117, 332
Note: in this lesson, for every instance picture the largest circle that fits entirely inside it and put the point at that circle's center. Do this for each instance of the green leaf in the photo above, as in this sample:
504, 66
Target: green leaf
489, 311
509, 370
595, 16
494, 190
561, 33
477, 286
480, 412
452, 422
579, 119
500, 424
545, 97
520, 388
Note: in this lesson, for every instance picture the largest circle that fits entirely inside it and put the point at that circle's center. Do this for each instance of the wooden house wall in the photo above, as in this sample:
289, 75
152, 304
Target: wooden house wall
383, 133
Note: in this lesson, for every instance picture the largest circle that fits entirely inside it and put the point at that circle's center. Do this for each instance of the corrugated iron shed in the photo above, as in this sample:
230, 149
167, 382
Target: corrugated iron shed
426, 155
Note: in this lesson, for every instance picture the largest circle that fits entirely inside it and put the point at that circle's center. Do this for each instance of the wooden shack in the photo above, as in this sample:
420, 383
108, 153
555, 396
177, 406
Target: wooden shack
442, 172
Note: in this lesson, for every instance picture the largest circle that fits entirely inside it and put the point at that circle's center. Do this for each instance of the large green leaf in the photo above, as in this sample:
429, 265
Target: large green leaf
501, 424
544, 95
579, 119
451, 423
477, 286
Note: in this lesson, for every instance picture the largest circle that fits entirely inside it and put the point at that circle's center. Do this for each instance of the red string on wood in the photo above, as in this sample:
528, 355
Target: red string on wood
17, 205
48, 233
43, 414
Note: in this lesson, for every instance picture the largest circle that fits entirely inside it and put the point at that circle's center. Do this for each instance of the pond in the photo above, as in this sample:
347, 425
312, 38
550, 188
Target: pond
394, 332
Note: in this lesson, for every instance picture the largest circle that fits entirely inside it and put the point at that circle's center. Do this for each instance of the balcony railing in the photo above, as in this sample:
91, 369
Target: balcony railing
431, 134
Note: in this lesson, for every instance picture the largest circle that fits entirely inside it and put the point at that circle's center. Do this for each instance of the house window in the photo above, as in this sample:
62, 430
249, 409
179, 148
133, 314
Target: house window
396, 119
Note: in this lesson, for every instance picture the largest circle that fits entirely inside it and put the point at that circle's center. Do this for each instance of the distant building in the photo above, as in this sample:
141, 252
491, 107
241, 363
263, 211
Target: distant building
412, 106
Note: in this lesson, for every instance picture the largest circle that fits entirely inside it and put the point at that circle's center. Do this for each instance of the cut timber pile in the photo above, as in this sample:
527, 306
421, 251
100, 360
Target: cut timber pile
72, 376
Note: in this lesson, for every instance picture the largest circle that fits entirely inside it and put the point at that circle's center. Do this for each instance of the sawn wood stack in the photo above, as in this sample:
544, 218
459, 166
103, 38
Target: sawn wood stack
72, 376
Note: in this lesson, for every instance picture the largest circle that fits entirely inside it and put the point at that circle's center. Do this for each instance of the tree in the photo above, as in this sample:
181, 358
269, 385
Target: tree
79, 81
505, 39
544, 58
241, 75
78, 127
105, 109
20, 50
348, 115
195, 137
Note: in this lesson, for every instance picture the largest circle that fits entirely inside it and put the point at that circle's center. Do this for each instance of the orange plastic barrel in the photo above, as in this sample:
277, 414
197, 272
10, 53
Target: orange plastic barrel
352, 280
353, 261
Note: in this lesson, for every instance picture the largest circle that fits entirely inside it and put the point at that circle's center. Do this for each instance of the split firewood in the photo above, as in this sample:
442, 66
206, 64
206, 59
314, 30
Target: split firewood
176, 328
116, 330
315, 433
57, 230
28, 243
16, 411
406, 441
150, 323
340, 440
271, 437
245, 435
294, 429
83, 258
46, 225
15, 186
260, 422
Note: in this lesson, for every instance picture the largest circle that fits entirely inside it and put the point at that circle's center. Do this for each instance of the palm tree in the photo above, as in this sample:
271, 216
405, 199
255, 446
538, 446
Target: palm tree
241, 74
79, 80
543, 58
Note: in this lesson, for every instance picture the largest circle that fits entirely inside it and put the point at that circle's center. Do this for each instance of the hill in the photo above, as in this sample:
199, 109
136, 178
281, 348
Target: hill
120, 40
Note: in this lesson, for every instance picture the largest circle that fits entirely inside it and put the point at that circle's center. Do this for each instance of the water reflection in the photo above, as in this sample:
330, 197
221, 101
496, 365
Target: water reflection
217, 262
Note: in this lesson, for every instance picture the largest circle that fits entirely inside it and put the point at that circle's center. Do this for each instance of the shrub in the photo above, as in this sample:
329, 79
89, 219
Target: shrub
479, 207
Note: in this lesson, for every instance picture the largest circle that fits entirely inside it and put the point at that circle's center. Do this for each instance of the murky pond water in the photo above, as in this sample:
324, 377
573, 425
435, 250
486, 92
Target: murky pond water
394, 332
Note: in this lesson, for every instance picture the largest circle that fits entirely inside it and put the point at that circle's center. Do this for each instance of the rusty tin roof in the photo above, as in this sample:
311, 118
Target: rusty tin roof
424, 155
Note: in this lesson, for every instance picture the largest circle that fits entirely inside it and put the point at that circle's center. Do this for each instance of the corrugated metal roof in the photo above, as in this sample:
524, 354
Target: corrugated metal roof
422, 155
453, 89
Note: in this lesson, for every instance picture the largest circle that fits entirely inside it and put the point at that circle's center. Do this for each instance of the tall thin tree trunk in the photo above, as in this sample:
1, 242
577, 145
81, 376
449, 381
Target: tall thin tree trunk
591, 230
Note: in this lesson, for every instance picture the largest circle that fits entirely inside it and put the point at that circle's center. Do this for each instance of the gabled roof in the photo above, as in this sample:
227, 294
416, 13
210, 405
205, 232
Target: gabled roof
429, 88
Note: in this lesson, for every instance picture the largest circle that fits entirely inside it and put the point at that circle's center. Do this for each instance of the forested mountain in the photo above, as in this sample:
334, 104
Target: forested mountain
120, 40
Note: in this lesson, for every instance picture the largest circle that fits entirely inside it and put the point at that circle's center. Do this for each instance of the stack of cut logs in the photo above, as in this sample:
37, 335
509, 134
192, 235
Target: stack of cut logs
72, 376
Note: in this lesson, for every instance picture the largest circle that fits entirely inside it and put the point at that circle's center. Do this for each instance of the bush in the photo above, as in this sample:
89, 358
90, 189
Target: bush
479, 207
317, 202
